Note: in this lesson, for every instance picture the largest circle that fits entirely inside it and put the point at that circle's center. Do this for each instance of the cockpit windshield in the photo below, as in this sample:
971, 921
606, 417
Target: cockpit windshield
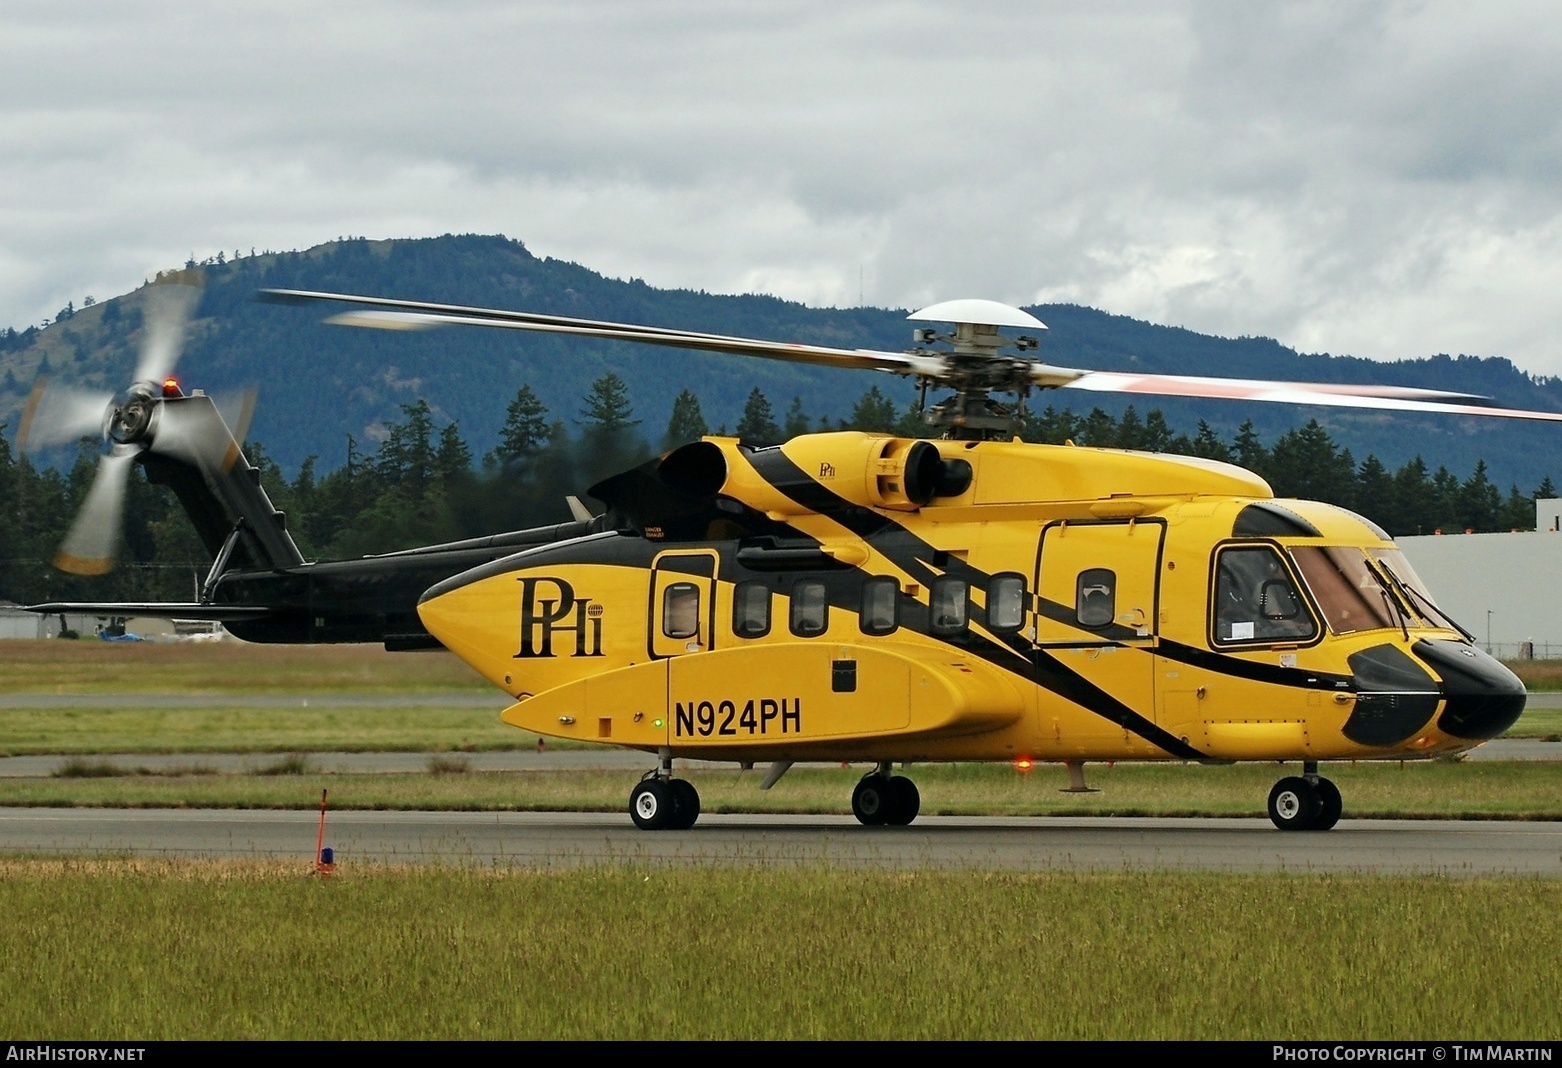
1347, 588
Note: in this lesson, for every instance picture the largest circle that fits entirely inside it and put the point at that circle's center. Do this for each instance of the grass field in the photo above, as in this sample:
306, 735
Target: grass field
228, 667
138, 951
283, 729
1422, 790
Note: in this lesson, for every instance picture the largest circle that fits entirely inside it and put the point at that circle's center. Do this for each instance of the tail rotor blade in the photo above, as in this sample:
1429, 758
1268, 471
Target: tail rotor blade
169, 304
57, 414
90, 547
237, 410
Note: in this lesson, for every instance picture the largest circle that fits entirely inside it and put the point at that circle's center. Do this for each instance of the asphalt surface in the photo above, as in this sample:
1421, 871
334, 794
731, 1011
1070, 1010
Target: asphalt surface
45, 766
554, 840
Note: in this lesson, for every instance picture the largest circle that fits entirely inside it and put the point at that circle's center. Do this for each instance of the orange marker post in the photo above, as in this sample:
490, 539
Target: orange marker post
325, 860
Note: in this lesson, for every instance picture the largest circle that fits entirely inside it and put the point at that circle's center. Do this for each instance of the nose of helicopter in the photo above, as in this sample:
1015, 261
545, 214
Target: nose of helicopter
1396, 696
1482, 698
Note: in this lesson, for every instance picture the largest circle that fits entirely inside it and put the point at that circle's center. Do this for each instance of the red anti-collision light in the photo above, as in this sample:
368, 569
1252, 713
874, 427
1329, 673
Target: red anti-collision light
171, 387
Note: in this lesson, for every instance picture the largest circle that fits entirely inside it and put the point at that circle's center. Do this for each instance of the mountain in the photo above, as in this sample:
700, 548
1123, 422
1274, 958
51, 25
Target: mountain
320, 383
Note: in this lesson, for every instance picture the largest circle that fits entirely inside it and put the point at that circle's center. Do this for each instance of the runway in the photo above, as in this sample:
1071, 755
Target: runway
560, 840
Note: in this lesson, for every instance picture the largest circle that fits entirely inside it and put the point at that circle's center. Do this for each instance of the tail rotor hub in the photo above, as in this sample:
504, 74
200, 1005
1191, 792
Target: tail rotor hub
129, 421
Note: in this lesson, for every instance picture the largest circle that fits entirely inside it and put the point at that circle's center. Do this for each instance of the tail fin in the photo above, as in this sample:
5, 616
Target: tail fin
192, 451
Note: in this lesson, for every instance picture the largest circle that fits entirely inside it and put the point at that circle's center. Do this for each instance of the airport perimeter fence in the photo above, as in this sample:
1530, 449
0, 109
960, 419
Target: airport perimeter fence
1530, 650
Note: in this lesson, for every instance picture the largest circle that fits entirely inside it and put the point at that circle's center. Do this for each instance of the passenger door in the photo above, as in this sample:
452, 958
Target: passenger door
1097, 587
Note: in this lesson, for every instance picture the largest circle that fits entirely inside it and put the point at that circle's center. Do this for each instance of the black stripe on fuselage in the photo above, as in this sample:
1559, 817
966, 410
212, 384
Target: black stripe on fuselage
924, 563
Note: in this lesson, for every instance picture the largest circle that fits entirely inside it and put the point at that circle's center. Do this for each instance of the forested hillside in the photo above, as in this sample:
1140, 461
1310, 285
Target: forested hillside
321, 384
373, 441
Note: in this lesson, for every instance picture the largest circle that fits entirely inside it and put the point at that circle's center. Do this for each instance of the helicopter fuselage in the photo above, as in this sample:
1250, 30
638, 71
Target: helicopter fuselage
858, 597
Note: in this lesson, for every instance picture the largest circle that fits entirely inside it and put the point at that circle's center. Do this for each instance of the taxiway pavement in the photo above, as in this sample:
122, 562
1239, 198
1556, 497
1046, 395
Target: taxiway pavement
555, 840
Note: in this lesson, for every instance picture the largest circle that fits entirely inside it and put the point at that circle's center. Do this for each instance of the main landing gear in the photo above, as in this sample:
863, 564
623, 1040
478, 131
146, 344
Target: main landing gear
660, 802
1306, 802
885, 799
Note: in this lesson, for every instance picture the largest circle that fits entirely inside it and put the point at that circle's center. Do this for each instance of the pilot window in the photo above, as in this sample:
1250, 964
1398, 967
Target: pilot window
948, 602
880, 604
681, 610
1256, 600
1006, 602
810, 610
751, 610
1095, 598
1347, 590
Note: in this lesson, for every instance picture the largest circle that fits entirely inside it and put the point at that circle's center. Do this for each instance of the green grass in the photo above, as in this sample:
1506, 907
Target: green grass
216, 729
91, 666
1425, 790
1538, 723
151, 951
1538, 675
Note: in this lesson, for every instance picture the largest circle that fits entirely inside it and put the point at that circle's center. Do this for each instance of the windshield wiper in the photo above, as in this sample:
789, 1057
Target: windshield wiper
1395, 608
1426, 604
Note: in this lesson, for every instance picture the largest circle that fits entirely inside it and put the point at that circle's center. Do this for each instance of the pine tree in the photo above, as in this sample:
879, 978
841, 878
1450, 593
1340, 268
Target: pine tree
525, 430
759, 422
607, 407
796, 420
874, 413
687, 422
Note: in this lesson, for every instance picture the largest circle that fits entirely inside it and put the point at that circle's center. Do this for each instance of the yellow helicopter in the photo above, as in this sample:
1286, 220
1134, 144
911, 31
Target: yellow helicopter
852, 597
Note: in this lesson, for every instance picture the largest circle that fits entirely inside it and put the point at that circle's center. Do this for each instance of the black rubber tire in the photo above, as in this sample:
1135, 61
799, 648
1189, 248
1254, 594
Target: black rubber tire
652, 806
686, 804
1294, 805
871, 800
1329, 815
905, 801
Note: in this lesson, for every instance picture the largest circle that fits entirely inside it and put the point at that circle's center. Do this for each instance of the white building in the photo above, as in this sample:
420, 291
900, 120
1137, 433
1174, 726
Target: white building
1506, 589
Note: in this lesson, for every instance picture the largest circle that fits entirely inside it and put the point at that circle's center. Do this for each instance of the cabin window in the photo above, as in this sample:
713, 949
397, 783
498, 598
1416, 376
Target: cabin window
1346, 589
948, 603
1256, 600
751, 610
681, 610
1006, 602
880, 606
810, 610
1095, 598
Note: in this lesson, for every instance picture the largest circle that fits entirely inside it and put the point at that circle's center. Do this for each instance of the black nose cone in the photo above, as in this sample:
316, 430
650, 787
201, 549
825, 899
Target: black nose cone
1483, 697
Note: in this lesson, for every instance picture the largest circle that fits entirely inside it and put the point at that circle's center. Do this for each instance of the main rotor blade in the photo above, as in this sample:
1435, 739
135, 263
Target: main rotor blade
57, 414
166, 314
1332, 394
90, 546
414, 315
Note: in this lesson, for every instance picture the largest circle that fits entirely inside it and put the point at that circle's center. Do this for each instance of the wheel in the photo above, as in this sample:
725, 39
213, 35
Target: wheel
1329, 795
1294, 805
686, 804
871, 801
652, 805
905, 801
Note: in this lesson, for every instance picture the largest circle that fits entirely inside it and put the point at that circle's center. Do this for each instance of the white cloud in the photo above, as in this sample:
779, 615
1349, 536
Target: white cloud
1374, 179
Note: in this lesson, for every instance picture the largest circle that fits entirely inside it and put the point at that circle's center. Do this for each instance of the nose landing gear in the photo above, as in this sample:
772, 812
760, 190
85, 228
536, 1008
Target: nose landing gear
1306, 802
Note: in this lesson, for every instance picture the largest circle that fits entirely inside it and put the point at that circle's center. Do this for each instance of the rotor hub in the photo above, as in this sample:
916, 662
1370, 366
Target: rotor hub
129, 421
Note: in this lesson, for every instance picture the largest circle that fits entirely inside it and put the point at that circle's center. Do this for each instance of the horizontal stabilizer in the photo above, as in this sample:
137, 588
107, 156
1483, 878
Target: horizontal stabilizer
210, 613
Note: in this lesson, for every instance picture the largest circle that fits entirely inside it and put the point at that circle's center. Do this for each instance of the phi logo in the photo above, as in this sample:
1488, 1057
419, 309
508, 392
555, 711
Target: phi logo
548, 607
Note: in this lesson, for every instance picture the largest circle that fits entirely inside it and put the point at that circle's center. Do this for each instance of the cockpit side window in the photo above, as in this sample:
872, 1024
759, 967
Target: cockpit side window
1256, 599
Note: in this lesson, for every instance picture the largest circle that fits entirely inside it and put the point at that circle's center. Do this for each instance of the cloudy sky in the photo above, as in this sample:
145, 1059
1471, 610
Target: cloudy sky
1380, 179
